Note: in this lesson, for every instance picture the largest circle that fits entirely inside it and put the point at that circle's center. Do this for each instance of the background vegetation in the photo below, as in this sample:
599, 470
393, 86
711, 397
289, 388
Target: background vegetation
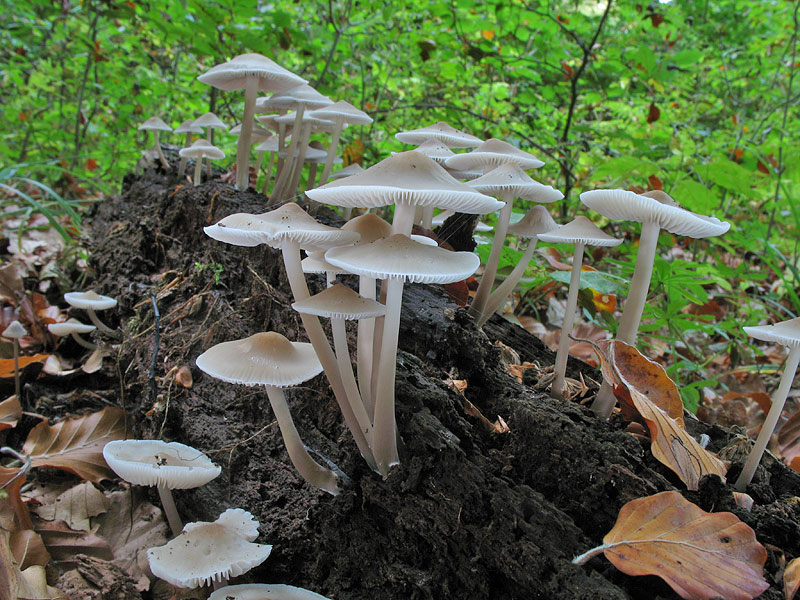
699, 98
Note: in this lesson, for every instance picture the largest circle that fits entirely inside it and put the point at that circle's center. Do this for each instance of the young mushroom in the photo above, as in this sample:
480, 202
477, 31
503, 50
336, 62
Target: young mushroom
166, 465
156, 125
340, 112
198, 151
264, 591
74, 328
269, 359
581, 232
91, 302
786, 333
187, 127
14, 332
209, 121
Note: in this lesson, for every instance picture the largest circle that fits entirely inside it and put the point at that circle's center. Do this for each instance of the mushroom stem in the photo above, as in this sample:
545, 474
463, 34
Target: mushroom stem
312, 176
163, 160
346, 371
16, 370
268, 174
243, 146
403, 219
502, 292
366, 331
170, 510
478, 305
184, 159
288, 165
634, 306
337, 133
566, 325
83, 342
301, 157
778, 400
198, 170
308, 468
427, 217
100, 325
348, 405
385, 433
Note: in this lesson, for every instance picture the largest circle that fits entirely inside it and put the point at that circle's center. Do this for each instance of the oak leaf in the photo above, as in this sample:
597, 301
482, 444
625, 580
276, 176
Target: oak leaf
700, 555
10, 412
76, 444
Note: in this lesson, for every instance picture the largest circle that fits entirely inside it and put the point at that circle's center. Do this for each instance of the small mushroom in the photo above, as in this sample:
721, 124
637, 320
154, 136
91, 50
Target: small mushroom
441, 132
91, 302
209, 121
14, 332
166, 465
340, 112
264, 591
581, 232
786, 333
156, 125
198, 151
188, 127
206, 553
74, 328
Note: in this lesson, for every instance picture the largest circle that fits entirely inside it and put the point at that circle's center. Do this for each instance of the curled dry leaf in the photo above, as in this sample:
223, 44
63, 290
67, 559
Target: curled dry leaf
11, 480
76, 444
74, 504
28, 548
64, 543
700, 555
10, 412
791, 578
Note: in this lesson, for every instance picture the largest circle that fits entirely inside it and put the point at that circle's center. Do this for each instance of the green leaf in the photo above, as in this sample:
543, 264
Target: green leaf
694, 196
595, 280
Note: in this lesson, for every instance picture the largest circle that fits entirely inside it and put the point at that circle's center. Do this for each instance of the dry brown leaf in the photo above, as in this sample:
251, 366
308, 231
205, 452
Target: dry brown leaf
64, 543
28, 548
74, 504
700, 555
11, 481
95, 361
791, 578
183, 377
10, 412
789, 439
76, 444
33, 586
9, 572
7, 364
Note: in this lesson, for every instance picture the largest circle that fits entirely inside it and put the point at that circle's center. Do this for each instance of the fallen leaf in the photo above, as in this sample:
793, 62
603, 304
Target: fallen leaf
28, 548
10, 412
183, 377
791, 578
64, 543
653, 113
655, 182
700, 555
95, 361
33, 586
73, 504
76, 444
11, 480
788, 439
7, 364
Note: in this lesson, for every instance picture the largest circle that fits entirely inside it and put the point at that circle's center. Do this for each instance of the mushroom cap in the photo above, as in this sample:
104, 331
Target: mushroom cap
271, 144
188, 126
579, 231
291, 222
68, 327
267, 120
201, 149
535, 222
510, 179
349, 170
408, 177
316, 123
661, 209
257, 131
290, 98
15, 330
210, 120
311, 153
435, 149
262, 359
399, 256
233, 75
369, 226
264, 591
438, 220
340, 302
315, 263
344, 111
154, 124
239, 229
89, 300
439, 131
206, 552
423, 239
157, 463
786, 333
493, 153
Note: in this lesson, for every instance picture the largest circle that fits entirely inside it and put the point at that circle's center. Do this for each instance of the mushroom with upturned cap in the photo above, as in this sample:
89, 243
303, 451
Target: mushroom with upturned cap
581, 232
269, 359
91, 302
156, 125
786, 333
166, 465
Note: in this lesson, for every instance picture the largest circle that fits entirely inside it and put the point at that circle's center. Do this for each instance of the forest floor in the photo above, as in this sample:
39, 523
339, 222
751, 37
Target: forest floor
474, 511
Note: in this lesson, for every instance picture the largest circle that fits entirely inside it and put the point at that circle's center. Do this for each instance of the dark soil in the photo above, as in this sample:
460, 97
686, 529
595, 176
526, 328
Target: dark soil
469, 514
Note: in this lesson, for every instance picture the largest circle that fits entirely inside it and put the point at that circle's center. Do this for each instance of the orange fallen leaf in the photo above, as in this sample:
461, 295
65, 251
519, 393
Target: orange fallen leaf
791, 578
10, 412
11, 480
7, 364
76, 444
28, 548
649, 378
488, 34
788, 439
700, 555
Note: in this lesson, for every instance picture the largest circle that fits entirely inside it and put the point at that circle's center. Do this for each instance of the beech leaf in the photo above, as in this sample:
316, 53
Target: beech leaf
788, 439
76, 444
28, 548
64, 543
11, 480
700, 555
791, 578
10, 412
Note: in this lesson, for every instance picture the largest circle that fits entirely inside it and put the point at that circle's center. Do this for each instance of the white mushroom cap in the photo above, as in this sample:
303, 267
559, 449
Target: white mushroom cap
579, 231
293, 96
154, 124
423, 239
207, 552
786, 333
269, 145
369, 227
189, 126
201, 149
261, 359
438, 220
340, 302
493, 153
292, 222
535, 222
239, 229
316, 123
436, 150
439, 131
264, 591
311, 153
89, 300
510, 179
628, 206
210, 120
68, 327
14, 331
398, 256
405, 177
171, 465
315, 263
256, 131
349, 170
233, 74
344, 111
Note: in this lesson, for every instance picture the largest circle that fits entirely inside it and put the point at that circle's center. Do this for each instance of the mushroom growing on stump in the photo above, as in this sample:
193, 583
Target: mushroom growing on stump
210, 122
198, 151
14, 332
442, 132
91, 301
581, 232
74, 328
340, 112
786, 333
187, 127
156, 125
249, 72
269, 359
397, 259
534, 223
208, 553
656, 211
166, 465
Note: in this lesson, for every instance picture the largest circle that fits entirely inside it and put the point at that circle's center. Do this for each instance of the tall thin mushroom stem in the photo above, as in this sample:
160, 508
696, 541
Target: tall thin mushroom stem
364, 350
184, 159
163, 160
346, 370
502, 292
775, 409
198, 171
288, 165
478, 305
301, 157
100, 325
243, 146
16, 370
170, 510
569, 319
337, 132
